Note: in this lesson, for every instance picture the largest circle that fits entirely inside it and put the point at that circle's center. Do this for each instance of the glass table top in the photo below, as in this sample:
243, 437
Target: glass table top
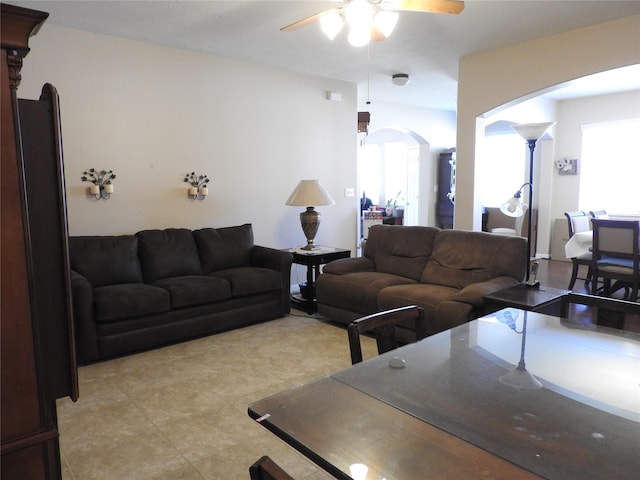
578, 418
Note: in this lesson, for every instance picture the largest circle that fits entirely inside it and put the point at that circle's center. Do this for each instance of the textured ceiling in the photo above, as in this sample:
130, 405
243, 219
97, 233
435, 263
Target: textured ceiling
425, 46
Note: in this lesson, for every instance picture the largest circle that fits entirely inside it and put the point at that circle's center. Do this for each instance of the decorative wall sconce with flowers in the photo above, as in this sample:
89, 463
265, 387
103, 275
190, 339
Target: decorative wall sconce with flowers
102, 186
198, 189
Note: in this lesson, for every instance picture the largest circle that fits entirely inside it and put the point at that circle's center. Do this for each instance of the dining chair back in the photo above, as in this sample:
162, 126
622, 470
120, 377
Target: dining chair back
608, 312
267, 469
598, 214
579, 222
383, 324
616, 255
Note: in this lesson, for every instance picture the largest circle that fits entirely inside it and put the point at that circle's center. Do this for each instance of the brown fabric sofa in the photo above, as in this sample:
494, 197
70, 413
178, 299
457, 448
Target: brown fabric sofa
134, 292
446, 272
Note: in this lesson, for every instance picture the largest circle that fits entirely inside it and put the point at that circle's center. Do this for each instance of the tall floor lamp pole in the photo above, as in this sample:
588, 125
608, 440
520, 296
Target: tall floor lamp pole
531, 132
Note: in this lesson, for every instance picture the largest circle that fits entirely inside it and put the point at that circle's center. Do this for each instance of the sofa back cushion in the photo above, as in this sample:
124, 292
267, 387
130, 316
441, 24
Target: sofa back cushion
222, 248
106, 260
460, 258
400, 250
168, 253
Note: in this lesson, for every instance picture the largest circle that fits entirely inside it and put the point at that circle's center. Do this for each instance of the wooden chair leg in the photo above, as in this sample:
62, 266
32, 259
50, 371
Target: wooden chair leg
574, 274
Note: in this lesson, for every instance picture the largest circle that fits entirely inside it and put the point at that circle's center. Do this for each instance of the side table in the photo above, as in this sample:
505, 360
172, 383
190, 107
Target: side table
313, 259
542, 299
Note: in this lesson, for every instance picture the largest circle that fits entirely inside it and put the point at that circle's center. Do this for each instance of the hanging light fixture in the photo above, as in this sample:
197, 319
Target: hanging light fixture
365, 20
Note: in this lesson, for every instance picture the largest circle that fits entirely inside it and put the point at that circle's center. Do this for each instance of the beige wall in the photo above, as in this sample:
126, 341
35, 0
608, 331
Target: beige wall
151, 114
497, 79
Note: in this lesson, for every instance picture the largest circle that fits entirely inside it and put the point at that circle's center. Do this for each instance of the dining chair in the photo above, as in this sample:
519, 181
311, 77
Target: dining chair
383, 324
616, 255
598, 214
267, 469
579, 222
608, 312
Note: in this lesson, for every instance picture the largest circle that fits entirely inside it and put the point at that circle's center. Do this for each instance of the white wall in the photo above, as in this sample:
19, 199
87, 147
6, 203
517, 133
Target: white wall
493, 80
152, 114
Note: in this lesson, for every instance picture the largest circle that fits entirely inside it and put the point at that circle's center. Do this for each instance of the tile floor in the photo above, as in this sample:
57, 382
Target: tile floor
180, 412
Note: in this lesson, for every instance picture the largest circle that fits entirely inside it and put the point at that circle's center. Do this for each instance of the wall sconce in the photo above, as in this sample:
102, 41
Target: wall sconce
198, 189
101, 183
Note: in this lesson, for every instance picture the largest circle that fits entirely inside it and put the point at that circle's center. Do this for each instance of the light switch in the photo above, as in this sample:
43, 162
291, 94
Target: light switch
349, 192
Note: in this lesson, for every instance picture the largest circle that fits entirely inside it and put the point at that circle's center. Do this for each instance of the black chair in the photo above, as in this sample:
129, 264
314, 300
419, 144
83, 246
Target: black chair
616, 256
383, 324
579, 222
609, 312
267, 469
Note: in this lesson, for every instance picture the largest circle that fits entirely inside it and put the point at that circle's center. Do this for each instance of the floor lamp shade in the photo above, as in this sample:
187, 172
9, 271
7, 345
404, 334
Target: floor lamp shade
309, 193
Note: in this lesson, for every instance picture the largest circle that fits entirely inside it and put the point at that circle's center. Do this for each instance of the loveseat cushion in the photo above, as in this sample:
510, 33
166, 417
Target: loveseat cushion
356, 291
400, 251
250, 280
168, 253
106, 260
460, 258
221, 248
117, 302
190, 290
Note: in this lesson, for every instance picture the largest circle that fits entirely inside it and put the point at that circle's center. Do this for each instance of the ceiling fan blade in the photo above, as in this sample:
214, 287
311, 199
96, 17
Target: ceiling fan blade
303, 22
432, 6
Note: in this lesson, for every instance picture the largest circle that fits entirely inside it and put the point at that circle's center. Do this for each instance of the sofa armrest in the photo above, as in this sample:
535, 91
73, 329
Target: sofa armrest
281, 261
271, 258
474, 293
85, 329
343, 266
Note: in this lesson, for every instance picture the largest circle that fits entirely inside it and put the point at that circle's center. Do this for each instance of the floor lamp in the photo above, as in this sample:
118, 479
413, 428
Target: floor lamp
531, 132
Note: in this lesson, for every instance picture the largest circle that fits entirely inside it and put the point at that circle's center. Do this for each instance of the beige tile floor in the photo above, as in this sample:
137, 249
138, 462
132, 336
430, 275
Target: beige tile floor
180, 412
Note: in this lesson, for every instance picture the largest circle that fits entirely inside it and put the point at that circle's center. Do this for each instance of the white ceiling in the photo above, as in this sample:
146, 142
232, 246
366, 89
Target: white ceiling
425, 46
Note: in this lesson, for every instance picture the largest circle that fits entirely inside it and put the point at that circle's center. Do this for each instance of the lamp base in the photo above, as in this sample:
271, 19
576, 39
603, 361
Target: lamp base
310, 221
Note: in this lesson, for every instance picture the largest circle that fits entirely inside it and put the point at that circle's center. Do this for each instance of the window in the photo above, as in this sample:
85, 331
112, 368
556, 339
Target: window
610, 169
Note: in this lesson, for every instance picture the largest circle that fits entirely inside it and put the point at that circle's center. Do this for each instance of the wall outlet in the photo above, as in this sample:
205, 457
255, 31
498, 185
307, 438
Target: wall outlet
349, 192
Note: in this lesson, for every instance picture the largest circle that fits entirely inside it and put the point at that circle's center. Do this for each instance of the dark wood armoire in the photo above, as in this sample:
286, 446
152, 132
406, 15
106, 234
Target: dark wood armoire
38, 357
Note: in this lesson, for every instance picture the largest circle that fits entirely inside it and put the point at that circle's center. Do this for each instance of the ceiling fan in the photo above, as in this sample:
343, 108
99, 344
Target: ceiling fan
372, 19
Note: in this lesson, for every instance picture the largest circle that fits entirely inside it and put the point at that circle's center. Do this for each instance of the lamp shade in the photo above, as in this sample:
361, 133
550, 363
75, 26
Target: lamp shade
309, 193
512, 207
532, 131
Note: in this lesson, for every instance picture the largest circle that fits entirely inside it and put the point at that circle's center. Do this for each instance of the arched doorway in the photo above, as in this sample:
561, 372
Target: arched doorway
389, 173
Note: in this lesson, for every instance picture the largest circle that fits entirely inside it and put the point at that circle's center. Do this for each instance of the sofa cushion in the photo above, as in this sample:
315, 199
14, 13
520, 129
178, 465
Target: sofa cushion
190, 290
221, 248
168, 253
106, 260
356, 291
250, 280
460, 258
400, 251
117, 302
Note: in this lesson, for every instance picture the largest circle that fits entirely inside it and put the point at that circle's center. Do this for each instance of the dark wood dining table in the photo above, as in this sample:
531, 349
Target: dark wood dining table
453, 412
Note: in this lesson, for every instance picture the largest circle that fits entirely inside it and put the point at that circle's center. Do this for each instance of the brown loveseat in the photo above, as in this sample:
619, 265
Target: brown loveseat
447, 272
134, 292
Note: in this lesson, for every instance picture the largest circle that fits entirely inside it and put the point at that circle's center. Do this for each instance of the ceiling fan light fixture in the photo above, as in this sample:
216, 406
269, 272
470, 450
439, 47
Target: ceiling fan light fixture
359, 37
400, 79
331, 23
385, 21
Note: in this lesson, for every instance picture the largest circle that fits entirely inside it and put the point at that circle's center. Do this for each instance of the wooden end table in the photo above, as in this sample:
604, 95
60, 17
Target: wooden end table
542, 299
313, 259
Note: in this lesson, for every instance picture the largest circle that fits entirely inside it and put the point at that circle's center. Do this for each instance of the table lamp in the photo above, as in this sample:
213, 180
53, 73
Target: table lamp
531, 132
309, 193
